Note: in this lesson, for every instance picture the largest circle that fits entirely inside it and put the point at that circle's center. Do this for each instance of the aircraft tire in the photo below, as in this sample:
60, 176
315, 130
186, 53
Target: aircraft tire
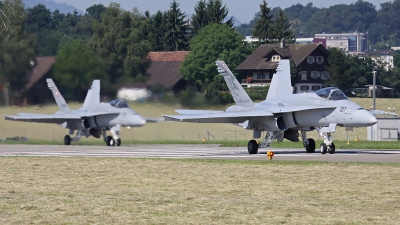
67, 140
331, 149
323, 148
118, 142
310, 148
110, 141
252, 147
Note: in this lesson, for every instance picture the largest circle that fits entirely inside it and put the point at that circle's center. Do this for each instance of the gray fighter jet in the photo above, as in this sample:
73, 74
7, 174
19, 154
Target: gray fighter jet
283, 114
93, 118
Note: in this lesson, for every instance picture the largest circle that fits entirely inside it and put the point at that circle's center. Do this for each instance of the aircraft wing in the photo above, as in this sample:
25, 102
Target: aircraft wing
191, 112
295, 108
42, 118
89, 114
222, 117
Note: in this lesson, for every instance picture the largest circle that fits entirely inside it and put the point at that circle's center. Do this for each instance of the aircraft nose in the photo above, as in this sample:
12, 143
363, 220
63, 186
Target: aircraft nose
373, 120
364, 118
140, 120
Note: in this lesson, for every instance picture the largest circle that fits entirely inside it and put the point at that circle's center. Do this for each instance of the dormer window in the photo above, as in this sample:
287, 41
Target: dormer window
275, 58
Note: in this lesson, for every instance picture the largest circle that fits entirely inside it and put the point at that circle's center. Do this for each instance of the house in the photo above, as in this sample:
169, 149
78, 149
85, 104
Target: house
36, 91
163, 71
310, 61
382, 57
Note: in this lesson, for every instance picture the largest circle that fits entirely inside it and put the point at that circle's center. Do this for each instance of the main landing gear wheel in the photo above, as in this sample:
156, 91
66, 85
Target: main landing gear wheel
67, 140
323, 148
119, 142
310, 148
331, 148
252, 147
110, 141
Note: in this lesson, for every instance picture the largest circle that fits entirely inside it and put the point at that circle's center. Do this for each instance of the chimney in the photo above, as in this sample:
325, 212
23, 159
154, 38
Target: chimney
283, 43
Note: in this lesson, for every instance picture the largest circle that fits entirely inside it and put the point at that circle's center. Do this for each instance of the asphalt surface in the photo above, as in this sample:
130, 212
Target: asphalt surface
199, 151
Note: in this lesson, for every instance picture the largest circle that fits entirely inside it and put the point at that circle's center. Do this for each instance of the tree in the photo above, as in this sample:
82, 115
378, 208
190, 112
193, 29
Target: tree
262, 28
95, 11
212, 11
281, 29
339, 69
213, 42
176, 31
158, 30
16, 48
120, 40
76, 67
38, 18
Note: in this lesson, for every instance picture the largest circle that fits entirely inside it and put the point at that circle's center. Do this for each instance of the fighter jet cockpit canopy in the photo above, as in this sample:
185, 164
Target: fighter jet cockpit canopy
331, 93
118, 103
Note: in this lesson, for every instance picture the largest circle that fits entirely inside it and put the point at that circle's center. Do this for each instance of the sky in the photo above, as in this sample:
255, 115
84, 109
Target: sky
243, 10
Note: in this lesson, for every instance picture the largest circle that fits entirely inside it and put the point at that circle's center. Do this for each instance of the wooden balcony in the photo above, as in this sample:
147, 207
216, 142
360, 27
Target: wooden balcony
255, 82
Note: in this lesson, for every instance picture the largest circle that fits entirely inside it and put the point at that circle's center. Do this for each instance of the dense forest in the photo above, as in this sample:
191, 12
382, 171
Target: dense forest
112, 44
382, 25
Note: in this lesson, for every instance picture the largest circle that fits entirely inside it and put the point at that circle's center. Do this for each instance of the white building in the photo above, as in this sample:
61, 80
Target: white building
348, 42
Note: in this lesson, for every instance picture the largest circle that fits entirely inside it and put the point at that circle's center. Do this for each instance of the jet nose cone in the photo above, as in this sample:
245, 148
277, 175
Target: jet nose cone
142, 121
373, 120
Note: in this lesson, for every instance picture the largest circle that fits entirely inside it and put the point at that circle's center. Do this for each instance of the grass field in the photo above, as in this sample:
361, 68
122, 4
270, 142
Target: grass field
164, 130
156, 191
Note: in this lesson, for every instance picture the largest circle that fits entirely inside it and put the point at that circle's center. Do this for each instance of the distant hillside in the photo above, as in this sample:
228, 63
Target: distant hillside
50, 4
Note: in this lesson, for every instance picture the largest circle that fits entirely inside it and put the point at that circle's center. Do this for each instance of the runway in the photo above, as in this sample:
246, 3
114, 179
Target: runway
202, 151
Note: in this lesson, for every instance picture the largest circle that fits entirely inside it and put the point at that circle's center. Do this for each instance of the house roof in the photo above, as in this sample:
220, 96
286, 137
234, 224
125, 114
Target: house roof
43, 65
164, 68
259, 59
163, 73
168, 56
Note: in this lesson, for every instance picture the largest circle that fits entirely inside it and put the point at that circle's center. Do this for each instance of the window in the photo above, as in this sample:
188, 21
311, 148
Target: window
315, 87
310, 59
315, 74
304, 87
324, 75
276, 58
320, 59
303, 75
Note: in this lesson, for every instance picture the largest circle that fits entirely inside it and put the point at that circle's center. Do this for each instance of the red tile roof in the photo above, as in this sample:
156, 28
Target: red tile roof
168, 56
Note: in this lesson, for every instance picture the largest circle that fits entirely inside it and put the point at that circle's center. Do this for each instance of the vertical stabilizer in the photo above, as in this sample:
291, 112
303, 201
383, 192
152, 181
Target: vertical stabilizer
281, 84
93, 95
238, 93
57, 96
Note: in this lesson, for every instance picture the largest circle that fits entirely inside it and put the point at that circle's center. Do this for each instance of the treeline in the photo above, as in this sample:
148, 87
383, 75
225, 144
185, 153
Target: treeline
382, 25
107, 42
112, 44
